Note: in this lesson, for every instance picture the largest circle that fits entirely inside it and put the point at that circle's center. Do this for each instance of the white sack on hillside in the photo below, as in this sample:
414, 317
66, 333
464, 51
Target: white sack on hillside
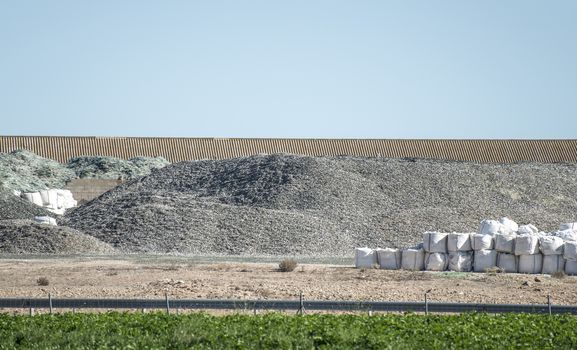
571, 267
505, 243
481, 241
530, 263
484, 259
526, 245
551, 245
436, 262
570, 250
365, 258
413, 259
389, 258
508, 262
489, 227
461, 261
435, 242
568, 226
552, 264
47, 220
508, 226
459, 242
528, 229
567, 235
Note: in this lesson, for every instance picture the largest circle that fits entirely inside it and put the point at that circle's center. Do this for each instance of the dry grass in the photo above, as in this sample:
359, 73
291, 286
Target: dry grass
494, 270
42, 281
559, 275
287, 265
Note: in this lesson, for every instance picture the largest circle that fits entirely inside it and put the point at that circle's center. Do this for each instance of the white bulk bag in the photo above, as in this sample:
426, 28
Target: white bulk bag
567, 235
44, 196
568, 226
389, 259
436, 262
571, 267
45, 220
508, 262
461, 261
27, 196
365, 258
484, 259
413, 259
526, 245
435, 242
508, 226
458, 242
481, 241
551, 245
505, 243
65, 199
530, 263
33, 197
527, 230
570, 250
489, 227
552, 264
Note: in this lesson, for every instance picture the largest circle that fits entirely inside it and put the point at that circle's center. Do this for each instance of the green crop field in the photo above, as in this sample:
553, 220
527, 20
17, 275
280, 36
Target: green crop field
273, 331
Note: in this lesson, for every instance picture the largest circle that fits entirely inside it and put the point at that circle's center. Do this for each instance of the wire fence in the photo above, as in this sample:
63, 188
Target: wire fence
300, 306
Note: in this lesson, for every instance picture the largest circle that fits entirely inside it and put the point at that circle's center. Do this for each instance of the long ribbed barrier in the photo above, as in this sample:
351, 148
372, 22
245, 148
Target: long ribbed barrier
320, 305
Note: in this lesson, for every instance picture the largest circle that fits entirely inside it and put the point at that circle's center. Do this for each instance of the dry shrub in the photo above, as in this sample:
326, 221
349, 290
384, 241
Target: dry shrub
559, 274
42, 281
287, 265
494, 270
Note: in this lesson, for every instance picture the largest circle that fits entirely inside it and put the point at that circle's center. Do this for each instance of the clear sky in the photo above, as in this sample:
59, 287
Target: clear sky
301, 68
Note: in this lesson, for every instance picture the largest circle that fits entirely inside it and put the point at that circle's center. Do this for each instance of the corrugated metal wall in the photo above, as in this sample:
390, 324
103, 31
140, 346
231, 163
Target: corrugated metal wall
179, 149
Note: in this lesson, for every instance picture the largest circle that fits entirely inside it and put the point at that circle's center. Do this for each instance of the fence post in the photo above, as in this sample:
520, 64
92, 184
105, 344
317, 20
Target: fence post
426, 304
549, 303
301, 309
167, 303
50, 302
31, 309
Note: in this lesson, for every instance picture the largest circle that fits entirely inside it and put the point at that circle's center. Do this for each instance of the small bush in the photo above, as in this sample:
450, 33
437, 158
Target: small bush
559, 274
42, 281
287, 265
494, 270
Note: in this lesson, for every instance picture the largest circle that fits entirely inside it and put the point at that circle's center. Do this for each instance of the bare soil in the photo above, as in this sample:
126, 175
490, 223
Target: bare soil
126, 278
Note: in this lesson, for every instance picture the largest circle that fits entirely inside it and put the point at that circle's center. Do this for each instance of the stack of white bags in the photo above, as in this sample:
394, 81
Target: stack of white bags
497, 244
55, 200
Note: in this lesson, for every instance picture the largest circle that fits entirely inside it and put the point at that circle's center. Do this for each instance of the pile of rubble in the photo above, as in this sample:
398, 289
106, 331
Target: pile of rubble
326, 206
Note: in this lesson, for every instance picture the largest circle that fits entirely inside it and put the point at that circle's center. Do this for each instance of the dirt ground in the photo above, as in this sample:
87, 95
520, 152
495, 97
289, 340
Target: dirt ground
126, 278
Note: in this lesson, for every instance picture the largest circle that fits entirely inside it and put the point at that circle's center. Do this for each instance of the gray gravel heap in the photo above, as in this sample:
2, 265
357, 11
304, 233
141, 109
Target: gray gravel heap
25, 171
27, 237
114, 168
285, 204
12, 207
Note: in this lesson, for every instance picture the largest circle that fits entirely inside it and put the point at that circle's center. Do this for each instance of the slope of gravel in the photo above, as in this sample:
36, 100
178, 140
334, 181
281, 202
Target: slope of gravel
286, 204
25, 171
13, 207
27, 237
114, 168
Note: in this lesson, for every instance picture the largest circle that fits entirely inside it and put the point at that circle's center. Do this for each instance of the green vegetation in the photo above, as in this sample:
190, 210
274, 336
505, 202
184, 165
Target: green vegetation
273, 331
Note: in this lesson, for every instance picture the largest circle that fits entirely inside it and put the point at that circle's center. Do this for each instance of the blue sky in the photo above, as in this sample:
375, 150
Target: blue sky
352, 69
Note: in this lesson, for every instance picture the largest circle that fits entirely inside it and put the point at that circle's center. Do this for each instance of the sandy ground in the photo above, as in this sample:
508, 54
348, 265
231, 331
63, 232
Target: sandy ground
125, 278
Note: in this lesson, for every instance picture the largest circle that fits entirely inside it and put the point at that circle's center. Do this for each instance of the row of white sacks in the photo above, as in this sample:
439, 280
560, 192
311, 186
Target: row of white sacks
55, 200
416, 259
500, 244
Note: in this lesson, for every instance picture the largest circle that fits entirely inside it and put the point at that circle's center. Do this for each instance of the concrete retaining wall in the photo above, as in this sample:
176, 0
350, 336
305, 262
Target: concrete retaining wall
84, 190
